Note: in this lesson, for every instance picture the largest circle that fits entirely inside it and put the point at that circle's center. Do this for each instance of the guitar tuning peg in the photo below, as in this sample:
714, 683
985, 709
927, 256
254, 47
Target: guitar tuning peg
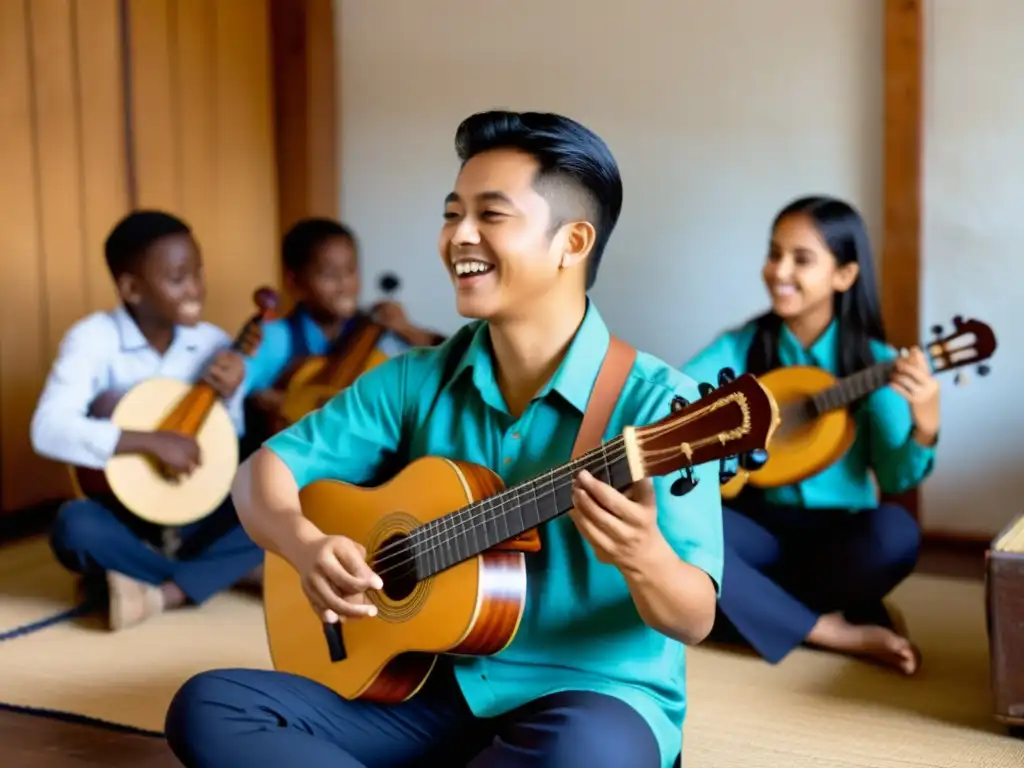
984, 370
937, 330
753, 460
685, 483
705, 389
725, 376
678, 403
960, 379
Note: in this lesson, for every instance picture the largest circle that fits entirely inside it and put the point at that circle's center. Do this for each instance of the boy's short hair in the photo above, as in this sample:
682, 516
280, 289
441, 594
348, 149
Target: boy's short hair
303, 238
132, 236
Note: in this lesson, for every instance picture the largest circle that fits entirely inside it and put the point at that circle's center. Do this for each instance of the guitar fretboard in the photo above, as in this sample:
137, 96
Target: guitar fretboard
461, 535
850, 389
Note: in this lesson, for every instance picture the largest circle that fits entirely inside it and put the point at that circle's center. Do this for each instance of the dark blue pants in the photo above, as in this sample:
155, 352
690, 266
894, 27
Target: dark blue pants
785, 567
237, 717
91, 538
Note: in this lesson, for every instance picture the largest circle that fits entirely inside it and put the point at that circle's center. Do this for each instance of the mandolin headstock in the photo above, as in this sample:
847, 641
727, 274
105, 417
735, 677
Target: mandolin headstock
736, 418
971, 342
251, 336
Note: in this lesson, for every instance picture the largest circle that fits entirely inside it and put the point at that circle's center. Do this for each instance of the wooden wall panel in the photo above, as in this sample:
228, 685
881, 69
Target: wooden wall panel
903, 157
197, 119
61, 150
104, 176
155, 152
58, 160
903, 153
307, 115
247, 239
203, 137
106, 104
22, 327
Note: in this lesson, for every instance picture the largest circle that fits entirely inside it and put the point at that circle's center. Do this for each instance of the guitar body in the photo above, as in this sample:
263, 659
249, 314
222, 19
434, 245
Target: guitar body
798, 450
135, 480
304, 393
473, 608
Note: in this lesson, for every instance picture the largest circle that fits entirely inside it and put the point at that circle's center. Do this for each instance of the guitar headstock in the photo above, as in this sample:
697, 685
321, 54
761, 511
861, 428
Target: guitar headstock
971, 342
736, 418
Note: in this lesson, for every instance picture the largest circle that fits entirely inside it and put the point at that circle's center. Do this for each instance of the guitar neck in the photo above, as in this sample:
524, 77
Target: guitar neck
474, 529
348, 359
850, 389
189, 415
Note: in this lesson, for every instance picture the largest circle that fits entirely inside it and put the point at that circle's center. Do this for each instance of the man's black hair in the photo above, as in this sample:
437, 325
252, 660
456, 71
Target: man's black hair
577, 172
132, 236
302, 239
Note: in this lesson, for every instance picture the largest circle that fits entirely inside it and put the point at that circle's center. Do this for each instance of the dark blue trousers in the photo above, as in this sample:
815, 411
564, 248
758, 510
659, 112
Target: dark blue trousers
785, 567
238, 717
91, 538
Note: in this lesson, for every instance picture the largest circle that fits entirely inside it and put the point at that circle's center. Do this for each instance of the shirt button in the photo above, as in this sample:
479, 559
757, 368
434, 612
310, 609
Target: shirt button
515, 435
508, 460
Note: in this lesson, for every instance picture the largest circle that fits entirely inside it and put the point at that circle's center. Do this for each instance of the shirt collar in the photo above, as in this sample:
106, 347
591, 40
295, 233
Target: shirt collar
573, 380
823, 351
133, 340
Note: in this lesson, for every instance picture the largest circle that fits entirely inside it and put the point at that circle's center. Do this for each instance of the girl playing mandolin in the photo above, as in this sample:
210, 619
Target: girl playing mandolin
811, 562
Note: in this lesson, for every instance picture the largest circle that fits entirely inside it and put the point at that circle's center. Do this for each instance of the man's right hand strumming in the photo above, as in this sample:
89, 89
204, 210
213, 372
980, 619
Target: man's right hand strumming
335, 578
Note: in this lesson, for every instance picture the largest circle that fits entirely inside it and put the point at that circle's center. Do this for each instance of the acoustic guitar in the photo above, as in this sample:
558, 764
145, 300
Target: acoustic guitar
442, 535
817, 427
320, 377
159, 404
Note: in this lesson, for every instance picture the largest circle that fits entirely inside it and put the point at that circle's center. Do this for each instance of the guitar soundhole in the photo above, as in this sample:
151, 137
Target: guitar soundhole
395, 563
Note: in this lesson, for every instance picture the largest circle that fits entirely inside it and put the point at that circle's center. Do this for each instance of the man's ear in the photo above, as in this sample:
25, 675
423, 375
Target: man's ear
577, 241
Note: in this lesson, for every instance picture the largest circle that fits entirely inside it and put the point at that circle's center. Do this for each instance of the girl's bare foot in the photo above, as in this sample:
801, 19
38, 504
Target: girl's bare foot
871, 641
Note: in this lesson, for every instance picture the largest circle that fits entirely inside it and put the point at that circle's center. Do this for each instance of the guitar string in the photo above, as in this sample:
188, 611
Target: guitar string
475, 521
611, 451
421, 547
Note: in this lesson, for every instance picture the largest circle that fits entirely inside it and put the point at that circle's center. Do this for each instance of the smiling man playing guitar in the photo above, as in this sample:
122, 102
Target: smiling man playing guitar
595, 674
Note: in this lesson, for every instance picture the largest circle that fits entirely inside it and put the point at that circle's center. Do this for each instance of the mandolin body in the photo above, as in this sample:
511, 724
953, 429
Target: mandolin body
305, 391
799, 448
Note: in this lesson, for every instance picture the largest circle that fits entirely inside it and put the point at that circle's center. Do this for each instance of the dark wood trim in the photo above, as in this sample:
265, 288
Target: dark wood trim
900, 273
131, 167
967, 541
304, 66
22, 523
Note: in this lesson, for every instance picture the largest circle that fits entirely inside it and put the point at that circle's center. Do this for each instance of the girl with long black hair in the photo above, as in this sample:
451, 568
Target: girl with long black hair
811, 562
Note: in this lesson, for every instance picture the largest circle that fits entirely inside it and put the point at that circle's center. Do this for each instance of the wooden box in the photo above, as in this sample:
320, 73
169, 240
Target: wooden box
1004, 603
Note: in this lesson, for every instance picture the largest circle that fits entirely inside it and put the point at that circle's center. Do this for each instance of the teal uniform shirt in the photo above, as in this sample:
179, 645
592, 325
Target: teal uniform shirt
580, 630
883, 446
279, 348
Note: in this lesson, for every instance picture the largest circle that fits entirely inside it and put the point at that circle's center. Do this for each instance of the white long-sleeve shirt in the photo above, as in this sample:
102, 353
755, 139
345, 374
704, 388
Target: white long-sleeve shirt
107, 351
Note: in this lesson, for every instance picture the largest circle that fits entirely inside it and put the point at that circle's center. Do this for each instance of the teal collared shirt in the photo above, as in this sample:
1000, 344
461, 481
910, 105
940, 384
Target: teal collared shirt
580, 630
883, 447
279, 349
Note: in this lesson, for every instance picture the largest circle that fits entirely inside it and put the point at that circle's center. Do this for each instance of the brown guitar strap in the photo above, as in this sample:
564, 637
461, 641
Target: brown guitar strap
618, 362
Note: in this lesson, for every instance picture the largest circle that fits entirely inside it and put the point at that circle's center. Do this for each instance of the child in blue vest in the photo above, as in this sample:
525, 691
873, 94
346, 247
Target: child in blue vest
321, 265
